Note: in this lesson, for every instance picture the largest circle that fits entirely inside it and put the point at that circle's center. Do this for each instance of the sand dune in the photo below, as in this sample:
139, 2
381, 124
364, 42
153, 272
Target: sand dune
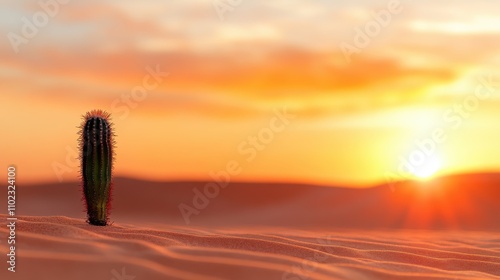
446, 229
66, 248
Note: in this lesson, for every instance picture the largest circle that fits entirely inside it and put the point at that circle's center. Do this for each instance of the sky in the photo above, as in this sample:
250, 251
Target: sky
325, 92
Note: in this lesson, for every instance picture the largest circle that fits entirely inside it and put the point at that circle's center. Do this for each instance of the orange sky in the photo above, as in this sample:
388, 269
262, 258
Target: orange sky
356, 119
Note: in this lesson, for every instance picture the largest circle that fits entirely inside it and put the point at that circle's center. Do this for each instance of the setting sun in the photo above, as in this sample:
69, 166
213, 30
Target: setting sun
429, 169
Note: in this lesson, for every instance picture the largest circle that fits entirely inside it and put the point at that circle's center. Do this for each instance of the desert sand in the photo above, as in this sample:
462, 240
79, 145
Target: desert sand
446, 229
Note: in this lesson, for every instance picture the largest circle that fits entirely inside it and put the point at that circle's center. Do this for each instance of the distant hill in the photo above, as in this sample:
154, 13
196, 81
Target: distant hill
468, 201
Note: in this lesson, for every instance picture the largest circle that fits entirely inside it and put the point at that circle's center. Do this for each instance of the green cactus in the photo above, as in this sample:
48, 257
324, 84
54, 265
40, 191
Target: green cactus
96, 162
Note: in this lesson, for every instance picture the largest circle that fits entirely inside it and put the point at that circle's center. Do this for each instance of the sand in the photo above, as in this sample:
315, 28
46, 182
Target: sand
259, 231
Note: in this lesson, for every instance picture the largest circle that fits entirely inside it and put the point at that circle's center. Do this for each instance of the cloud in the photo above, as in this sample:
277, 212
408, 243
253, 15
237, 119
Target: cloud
101, 50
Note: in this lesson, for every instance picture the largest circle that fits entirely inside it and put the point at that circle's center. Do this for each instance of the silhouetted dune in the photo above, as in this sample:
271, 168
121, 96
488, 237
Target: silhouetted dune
469, 201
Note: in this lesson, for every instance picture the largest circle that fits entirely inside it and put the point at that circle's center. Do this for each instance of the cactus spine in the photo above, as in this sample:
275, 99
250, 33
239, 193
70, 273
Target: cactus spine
96, 159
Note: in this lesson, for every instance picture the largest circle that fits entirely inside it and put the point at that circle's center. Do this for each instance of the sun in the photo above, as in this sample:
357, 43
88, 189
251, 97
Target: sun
427, 170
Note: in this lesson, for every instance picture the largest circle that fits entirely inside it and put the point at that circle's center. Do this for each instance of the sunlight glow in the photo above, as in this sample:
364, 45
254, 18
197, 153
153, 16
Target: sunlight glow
428, 169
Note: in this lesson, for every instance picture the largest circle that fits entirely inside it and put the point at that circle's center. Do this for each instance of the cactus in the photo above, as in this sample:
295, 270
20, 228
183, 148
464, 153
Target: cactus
96, 159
